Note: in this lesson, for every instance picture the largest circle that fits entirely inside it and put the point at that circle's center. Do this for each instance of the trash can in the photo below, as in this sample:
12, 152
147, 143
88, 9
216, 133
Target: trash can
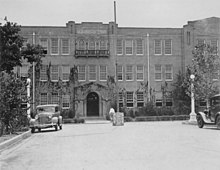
118, 119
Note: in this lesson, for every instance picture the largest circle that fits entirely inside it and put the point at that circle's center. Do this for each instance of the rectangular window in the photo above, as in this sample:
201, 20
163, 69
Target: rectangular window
158, 97
65, 73
92, 73
120, 99
82, 73
201, 42
43, 98
54, 46
168, 72
43, 73
157, 47
119, 71
169, 102
65, 46
129, 73
188, 38
54, 75
158, 72
215, 75
24, 71
103, 45
139, 50
65, 101
103, 73
128, 47
55, 98
140, 73
168, 47
119, 47
140, 99
129, 99
44, 44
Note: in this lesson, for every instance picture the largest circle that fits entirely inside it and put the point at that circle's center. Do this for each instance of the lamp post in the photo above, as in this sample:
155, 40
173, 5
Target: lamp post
192, 114
28, 96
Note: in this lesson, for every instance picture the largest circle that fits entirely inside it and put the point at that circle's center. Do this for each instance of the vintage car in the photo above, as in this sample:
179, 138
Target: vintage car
47, 116
211, 115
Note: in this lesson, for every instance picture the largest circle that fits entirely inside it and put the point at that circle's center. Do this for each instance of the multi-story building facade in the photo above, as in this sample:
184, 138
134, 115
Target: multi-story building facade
82, 60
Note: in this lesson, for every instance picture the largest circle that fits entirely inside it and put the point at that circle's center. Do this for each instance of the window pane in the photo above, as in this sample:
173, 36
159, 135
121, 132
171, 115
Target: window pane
92, 72
81, 73
54, 46
119, 72
129, 72
66, 73
119, 47
168, 47
43, 73
169, 72
140, 72
128, 47
158, 72
130, 99
157, 47
54, 73
55, 98
139, 46
65, 46
103, 73
43, 98
65, 101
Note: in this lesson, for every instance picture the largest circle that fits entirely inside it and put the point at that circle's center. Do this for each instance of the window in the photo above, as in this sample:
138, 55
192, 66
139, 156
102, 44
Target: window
157, 47
92, 73
169, 102
128, 47
140, 99
202, 102
43, 98
120, 99
130, 99
119, 71
215, 75
102, 45
44, 44
201, 42
24, 71
82, 73
55, 98
214, 45
129, 73
158, 72
54, 46
65, 46
54, 73
140, 73
66, 73
92, 45
158, 97
103, 73
81, 45
168, 47
188, 38
168, 72
65, 101
139, 50
119, 47
43, 73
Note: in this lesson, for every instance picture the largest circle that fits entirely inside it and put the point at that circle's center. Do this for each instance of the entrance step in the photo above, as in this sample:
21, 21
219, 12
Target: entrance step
96, 120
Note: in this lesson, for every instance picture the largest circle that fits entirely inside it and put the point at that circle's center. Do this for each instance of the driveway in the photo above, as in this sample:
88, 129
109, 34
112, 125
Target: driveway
143, 145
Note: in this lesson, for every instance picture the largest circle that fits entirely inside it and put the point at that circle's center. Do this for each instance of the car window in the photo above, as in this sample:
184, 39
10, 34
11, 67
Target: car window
45, 109
215, 101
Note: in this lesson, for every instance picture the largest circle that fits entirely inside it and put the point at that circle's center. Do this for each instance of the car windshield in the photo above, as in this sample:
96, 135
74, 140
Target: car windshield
46, 109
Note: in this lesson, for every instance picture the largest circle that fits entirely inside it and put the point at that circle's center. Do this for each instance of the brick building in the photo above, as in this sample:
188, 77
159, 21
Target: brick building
82, 59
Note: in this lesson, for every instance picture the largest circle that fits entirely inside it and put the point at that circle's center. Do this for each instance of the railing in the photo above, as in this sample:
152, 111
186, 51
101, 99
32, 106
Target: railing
92, 53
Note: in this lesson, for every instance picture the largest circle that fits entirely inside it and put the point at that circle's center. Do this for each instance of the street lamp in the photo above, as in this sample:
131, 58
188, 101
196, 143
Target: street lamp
28, 96
192, 114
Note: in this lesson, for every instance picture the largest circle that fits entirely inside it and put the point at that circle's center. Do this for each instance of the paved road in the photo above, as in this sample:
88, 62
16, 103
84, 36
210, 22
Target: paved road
146, 145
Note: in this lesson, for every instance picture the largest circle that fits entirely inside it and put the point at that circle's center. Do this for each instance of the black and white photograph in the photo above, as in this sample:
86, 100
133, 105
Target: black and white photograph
109, 85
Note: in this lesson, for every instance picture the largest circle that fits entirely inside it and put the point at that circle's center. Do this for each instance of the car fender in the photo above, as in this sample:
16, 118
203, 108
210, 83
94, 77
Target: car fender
204, 117
60, 119
216, 116
55, 120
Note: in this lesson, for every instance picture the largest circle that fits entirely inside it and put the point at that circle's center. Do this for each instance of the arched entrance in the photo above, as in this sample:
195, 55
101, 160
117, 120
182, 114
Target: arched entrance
92, 104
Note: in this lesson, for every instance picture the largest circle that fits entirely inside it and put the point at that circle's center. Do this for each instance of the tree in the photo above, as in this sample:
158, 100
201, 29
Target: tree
11, 112
205, 66
11, 43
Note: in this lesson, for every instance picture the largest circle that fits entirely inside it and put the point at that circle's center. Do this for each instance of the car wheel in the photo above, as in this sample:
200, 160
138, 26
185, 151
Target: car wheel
56, 127
32, 130
200, 121
218, 122
39, 129
60, 127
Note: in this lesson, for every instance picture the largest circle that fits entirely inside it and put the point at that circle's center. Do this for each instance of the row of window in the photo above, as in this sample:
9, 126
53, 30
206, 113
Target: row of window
94, 72
127, 47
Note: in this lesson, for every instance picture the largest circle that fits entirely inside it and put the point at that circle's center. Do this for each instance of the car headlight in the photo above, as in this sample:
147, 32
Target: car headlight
36, 117
49, 116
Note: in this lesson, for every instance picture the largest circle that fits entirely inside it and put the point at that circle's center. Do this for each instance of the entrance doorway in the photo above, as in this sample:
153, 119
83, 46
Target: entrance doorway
92, 104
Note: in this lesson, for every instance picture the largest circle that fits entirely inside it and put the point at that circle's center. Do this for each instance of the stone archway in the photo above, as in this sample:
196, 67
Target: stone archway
92, 104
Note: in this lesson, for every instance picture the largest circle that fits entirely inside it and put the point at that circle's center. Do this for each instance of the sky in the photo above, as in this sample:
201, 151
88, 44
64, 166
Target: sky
129, 13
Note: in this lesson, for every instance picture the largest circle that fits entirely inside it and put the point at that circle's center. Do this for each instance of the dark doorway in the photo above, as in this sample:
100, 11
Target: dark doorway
92, 104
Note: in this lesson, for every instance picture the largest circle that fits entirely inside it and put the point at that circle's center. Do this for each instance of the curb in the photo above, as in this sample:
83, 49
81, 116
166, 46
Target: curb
11, 142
